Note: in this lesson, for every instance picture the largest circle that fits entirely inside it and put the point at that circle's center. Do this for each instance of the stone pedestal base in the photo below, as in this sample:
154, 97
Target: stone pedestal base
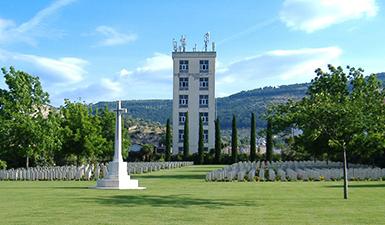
117, 178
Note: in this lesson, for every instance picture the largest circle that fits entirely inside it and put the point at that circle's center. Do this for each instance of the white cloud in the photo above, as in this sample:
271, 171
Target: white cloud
157, 62
103, 89
124, 72
42, 15
155, 68
35, 27
312, 15
62, 70
273, 68
4, 24
112, 37
151, 80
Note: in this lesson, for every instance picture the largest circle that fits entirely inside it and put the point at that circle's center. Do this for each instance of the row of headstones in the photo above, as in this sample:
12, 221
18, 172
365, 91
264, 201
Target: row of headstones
311, 164
252, 171
84, 172
146, 167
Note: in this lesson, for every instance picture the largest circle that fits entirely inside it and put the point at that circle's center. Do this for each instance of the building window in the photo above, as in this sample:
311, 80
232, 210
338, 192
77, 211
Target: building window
180, 149
203, 83
204, 66
205, 136
183, 66
183, 101
181, 136
204, 116
203, 101
183, 83
182, 118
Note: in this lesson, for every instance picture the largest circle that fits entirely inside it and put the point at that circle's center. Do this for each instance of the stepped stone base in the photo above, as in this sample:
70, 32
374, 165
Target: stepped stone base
117, 178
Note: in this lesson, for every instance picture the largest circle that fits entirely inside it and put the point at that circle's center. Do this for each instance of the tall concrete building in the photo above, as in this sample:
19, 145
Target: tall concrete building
193, 92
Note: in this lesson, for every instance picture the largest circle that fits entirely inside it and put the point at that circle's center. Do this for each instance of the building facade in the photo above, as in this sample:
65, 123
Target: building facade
193, 92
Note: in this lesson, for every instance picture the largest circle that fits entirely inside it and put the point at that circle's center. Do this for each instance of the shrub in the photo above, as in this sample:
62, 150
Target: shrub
177, 157
3, 165
243, 157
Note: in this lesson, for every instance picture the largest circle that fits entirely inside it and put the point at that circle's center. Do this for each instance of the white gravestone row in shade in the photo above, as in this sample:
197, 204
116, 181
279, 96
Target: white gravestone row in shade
84, 172
146, 167
293, 171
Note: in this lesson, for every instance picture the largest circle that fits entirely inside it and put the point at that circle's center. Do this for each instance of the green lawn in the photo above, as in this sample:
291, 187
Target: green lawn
181, 196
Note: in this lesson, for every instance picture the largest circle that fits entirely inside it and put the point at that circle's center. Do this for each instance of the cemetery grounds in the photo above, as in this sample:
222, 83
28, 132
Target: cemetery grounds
182, 196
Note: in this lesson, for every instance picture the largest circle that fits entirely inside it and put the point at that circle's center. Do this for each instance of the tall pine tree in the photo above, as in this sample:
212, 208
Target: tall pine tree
269, 141
234, 141
186, 139
168, 141
252, 138
200, 142
218, 142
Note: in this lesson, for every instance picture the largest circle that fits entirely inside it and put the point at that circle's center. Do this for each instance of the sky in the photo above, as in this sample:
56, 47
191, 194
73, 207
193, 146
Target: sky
95, 51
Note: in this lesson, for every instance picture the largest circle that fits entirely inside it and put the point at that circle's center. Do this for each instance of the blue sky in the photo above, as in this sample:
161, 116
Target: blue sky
108, 50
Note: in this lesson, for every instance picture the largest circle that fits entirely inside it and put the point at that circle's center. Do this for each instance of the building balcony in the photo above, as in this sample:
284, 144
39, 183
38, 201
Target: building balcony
183, 71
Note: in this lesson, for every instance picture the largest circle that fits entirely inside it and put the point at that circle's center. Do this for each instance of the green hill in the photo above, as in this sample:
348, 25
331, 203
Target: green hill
241, 104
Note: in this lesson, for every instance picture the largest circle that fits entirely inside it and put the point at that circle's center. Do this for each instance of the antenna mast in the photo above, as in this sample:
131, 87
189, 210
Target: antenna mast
183, 43
206, 40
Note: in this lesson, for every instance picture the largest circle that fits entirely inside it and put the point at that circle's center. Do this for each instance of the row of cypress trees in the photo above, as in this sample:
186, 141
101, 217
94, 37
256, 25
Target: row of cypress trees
218, 142
252, 155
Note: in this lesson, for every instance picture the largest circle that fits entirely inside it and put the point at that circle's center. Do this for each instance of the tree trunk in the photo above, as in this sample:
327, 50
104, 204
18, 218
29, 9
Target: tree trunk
27, 162
345, 176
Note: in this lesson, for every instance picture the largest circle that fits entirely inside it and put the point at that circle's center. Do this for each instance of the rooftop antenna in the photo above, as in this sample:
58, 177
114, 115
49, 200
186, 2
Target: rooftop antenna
195, 48
183, 42
213, 46
207, 40
175, 45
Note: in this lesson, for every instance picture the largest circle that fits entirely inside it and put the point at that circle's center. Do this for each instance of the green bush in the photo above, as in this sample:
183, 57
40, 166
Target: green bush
3, 165
177, 157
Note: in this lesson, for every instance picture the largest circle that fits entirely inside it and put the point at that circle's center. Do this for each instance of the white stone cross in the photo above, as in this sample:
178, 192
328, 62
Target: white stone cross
118, 132
117, 176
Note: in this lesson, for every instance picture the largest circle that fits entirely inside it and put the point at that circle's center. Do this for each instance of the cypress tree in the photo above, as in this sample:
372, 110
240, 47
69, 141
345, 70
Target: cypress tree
218, 144
168, 141
186, 139
269, 141
200, 142
234, 141
252, 138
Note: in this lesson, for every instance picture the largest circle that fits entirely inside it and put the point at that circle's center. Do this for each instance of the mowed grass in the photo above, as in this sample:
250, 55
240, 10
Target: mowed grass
181, 196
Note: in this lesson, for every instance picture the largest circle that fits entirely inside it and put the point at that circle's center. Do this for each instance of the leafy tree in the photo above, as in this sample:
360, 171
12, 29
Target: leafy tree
269, 141
82, 136
106, 119
252, 139
147, 152
168, 141
234, 141
344, 111
186, 139
27, 126
218, 142
200, 142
